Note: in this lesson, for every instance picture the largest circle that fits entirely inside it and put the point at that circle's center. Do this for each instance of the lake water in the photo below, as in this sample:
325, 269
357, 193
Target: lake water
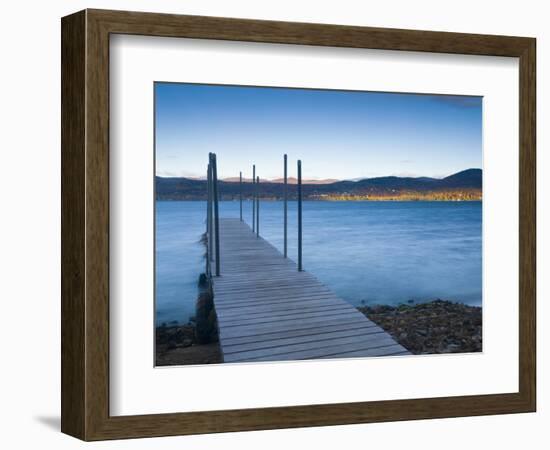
366, 252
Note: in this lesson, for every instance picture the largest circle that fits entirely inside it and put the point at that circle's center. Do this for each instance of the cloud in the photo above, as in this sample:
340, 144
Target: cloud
176, 174
405, 174
459, 101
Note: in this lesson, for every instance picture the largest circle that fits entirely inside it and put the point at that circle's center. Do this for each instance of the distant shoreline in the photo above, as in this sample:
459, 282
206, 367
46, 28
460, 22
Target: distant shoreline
462, 186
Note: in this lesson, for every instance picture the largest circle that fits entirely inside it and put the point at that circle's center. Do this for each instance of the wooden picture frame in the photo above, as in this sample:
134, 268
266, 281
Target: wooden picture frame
85, 224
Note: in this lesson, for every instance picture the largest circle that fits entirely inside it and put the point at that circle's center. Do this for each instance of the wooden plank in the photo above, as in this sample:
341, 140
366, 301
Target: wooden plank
394, 350
274, 343
316, 346
297, 333
280, 301
265, 309
281, 296
283, 302
292, 286
360, 349
227, 279
288, 318
280, 274
282, 288
311, 324
268, 310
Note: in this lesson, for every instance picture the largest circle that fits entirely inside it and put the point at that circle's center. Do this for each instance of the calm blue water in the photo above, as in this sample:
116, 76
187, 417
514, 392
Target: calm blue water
366, 252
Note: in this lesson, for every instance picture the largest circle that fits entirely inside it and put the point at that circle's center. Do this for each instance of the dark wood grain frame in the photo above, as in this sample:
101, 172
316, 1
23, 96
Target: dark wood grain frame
85, 224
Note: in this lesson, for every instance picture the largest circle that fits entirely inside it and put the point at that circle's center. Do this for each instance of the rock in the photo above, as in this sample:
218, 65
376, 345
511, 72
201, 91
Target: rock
186, 343
203, 281
439, 326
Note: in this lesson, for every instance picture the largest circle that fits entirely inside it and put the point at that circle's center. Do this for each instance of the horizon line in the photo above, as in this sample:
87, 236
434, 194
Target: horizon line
279, 179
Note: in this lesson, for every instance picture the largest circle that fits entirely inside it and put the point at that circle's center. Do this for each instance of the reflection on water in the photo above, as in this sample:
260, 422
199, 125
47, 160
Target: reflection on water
371, 252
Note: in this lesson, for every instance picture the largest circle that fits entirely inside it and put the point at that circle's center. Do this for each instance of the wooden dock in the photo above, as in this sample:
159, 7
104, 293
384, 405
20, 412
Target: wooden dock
269, 311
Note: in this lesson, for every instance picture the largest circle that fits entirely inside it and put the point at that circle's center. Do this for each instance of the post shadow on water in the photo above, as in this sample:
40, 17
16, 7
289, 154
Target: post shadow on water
51, 422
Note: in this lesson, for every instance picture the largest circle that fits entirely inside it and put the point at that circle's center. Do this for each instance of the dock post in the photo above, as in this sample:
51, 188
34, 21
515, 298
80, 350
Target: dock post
285, 207
300, 216
209, 212
207, 232
241, 195
216, 213
258, 206
208, 219
207, 199
253, 198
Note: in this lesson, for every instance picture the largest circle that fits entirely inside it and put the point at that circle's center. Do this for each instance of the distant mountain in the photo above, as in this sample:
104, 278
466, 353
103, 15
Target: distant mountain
466, 178
470, 178
462, 185
290, 180
236, 180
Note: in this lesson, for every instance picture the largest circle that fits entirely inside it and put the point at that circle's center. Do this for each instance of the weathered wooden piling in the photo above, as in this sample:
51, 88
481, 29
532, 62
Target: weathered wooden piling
253, 198
241, 195
300, 267
285, 246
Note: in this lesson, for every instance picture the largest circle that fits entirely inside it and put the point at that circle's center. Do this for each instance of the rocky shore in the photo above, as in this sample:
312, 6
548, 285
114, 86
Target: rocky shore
195, 342
178, 345
439, 326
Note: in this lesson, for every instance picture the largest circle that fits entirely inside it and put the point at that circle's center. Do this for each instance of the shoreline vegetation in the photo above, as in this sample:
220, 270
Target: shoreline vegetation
409, 197
435, 327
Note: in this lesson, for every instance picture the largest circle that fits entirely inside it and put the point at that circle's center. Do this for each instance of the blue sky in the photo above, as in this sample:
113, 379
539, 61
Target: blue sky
336, 134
